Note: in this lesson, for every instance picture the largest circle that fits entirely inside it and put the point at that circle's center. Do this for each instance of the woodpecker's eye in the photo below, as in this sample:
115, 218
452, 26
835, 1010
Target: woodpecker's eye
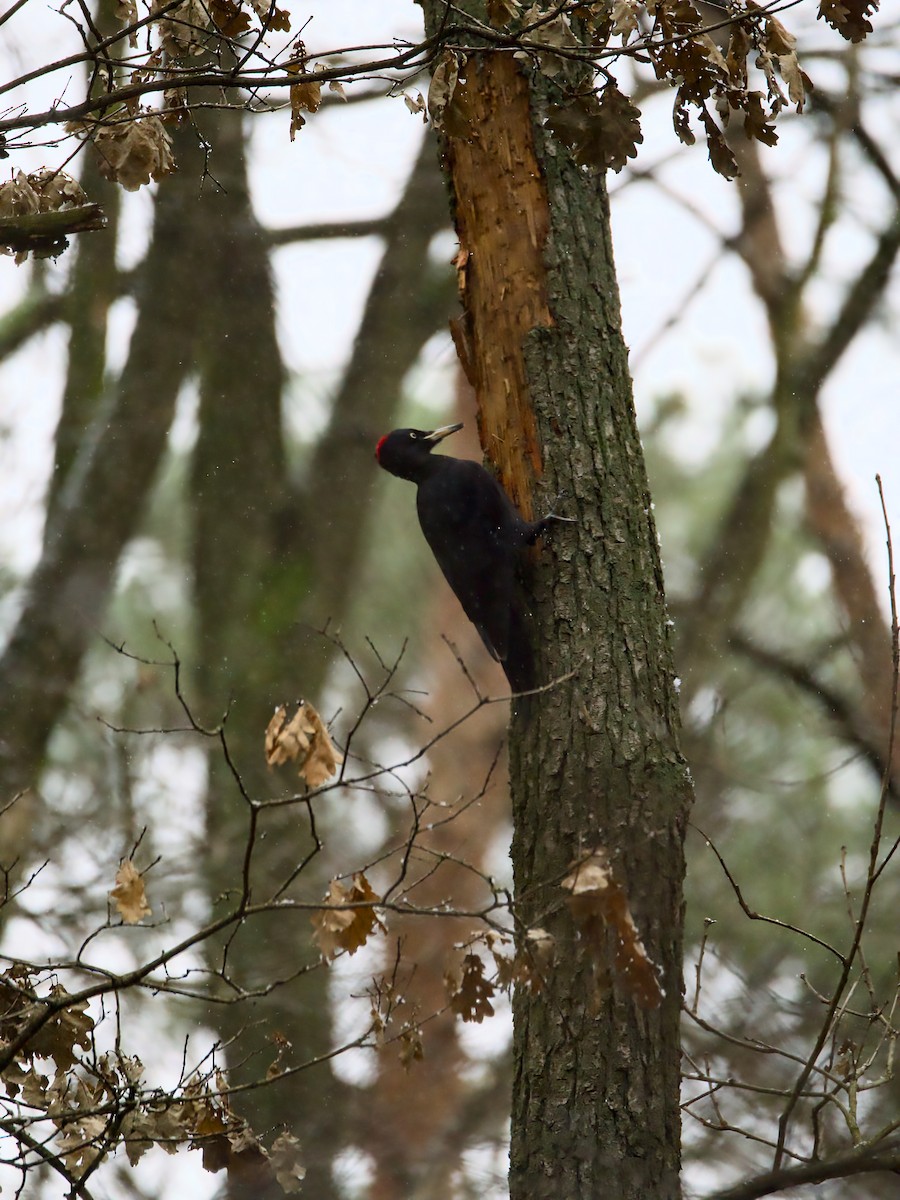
413, 436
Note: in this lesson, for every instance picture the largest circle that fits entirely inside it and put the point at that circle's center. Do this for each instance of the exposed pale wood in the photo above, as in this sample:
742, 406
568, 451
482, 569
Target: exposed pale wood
502, 221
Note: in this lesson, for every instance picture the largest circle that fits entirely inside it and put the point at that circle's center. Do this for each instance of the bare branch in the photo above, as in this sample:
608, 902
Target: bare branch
862, 1161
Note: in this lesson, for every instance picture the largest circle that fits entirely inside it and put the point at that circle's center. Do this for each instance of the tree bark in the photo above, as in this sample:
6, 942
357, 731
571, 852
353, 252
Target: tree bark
595, 762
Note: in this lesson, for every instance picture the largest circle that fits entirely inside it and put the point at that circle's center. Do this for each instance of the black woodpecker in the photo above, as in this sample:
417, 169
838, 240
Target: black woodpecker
477, 537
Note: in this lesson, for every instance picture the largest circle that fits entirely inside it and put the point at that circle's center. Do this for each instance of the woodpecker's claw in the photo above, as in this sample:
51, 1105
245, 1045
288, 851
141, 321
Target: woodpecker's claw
544, 524
554, 516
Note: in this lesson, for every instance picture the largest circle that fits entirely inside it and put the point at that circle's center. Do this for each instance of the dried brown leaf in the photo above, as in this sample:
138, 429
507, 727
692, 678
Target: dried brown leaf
411, 1049
129, 895
796, 79
625, 14
57, 190
287, 1163
304, 740
248, 1166
138, 1133
682, 55
501, 12
720, 155
208, 1126
175, 112
600, 134
739, 46
134, 152
779, 39
126, 13
169, 1126
69, 1027
229, 18
282, 1046
502, 948
416, 104
757, 122
304, 97
681, 121
343, 926
18, 197
555, 34
33, 1088
536, 958
443, 86
849, 17
470, 993
185, 29
82, 1144
17, 1004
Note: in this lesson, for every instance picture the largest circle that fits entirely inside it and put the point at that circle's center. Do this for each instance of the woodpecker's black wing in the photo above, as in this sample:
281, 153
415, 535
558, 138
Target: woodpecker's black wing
476, 536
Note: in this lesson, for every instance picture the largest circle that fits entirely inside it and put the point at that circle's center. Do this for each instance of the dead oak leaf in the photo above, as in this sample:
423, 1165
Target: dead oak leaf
129, 895
849, 17
304, 97
82, 1144
549, 33
287, 1164
739, 46
720, 153
133, 153
443, 86
126, 13
501, 12
626, 17
138, 1134
416, 104
795, 77
304, 740
600, 134
68, 1027
470, 993
411, 1049
757, 121
229, 18
18, 197
349, 919
502, 950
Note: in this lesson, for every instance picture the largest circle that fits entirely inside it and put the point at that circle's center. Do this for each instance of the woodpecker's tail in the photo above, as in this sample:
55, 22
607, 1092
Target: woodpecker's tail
519, 661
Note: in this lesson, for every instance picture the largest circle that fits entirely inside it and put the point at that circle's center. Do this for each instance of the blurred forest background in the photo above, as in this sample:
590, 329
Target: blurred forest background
190, 404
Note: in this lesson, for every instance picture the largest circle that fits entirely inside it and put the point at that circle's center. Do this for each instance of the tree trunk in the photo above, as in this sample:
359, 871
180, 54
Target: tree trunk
595, 763
97, 510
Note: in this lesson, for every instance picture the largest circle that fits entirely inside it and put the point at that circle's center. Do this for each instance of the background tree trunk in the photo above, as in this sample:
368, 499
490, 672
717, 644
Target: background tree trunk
106, 487
273, 564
